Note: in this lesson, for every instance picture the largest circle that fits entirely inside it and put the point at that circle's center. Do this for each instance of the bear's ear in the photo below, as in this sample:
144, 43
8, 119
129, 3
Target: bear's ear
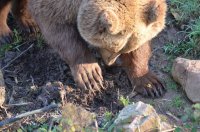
151, 12
109, 22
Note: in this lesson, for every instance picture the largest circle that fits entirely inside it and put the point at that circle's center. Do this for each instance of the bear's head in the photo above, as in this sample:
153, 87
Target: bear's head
110, 24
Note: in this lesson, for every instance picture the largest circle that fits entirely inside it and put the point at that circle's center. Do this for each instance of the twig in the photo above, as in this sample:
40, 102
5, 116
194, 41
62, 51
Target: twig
133, 93
51, 124
173, 116
169, 130
167, 100
19, 104
18, 117
53, 120
17, 57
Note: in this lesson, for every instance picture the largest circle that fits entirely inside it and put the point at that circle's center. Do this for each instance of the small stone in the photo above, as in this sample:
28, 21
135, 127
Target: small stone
2, 97
139, 117
76, 118
2, 89
187, 73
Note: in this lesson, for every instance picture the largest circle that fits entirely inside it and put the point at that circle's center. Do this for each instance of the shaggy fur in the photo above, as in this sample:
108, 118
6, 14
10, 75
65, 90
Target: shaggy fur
21, 14
116, 27
4, 29
109, 24
135, 64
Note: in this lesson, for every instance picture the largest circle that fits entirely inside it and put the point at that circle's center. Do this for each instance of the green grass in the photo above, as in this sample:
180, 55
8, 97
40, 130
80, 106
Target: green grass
191, 119
39, 128
186, 14
185, 10
190, 47
40, 40
170, 84
177, 102
17, 42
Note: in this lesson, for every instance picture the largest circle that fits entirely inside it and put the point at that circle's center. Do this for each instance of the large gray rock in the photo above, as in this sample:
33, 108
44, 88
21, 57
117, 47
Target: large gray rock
187, 73
139, 117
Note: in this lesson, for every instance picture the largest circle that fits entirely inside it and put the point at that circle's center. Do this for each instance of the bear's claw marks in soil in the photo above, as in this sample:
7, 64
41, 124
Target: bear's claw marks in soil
88, 76
149, 86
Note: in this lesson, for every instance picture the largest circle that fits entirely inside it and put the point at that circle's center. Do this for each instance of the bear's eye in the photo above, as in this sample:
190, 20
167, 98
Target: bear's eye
102, 30
122, 32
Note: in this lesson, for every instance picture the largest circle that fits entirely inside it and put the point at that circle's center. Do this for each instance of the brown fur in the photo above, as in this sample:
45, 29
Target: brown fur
20, 12
130, 19
114, 26
5, 6
135, 64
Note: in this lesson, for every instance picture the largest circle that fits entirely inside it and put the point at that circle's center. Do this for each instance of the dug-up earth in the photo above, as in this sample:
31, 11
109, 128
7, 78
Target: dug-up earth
29, 67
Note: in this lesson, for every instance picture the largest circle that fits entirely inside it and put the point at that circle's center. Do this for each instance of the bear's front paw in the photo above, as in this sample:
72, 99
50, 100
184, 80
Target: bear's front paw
88, 76
28, 25
6, 35
148, 85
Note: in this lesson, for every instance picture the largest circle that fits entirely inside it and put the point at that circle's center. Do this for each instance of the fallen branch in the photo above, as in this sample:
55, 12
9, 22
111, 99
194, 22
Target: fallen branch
17, 57
173, 116
19, 104
18, 117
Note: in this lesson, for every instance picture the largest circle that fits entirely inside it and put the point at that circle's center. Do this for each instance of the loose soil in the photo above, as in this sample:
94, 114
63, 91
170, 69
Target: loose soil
27, 76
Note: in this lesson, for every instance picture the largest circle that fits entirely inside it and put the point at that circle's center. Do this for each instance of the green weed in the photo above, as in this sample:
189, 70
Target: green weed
177, 102
184, 10
124, 101
170, 84
191, 119
40, 41
14, 45
196, 114
108, 115
188, 48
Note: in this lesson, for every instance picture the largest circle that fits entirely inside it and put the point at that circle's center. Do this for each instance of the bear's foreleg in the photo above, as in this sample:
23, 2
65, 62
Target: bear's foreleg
66, 40
5, 32
23, 16
136, 66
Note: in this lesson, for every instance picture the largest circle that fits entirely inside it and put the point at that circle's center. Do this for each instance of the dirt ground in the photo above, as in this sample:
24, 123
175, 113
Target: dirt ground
27, 76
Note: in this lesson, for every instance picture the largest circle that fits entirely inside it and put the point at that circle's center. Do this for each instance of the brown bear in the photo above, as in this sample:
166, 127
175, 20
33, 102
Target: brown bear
20, 12
120, 29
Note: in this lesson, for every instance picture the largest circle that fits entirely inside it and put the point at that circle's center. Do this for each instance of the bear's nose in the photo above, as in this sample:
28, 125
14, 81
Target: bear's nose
110, 21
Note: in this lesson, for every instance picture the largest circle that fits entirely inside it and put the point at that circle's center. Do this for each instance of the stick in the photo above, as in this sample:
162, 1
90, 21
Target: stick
20, 104
17, 57
173, 116
169, 130
18, 117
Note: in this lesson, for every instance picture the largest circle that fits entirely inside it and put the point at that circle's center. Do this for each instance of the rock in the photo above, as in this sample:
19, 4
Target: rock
187, 73
166, 127
76, 118
2, 89
139, 117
